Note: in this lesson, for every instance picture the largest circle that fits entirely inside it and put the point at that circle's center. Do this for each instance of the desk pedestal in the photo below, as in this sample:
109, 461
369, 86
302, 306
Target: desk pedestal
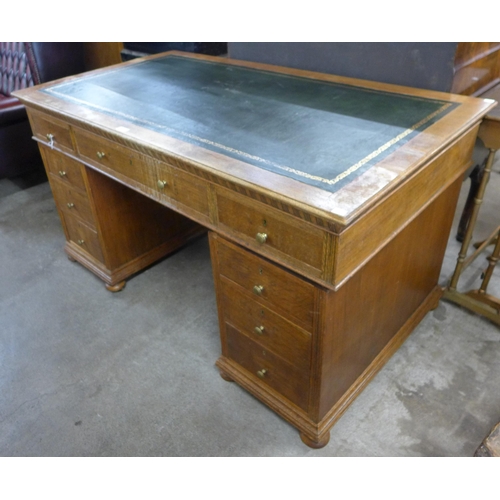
307, 351
110, 229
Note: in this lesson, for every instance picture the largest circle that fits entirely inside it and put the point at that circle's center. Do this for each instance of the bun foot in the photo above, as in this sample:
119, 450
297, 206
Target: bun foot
226, 377
72, 259
313, 443
116, 288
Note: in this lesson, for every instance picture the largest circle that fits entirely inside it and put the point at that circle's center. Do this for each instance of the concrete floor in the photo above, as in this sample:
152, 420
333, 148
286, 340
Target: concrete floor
84, 372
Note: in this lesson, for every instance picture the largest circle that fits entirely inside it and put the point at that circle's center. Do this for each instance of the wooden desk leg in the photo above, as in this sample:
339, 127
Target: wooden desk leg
225, 376
116, 288
321, 443
470, 228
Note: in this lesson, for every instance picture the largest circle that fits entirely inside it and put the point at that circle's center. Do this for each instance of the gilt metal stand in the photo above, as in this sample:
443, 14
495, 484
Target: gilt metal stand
479, 301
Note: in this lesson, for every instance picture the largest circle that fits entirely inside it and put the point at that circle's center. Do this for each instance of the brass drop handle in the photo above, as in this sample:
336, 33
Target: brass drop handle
81, 242
100, 155
70, 205
261, 373
161, 184
258, 289
261, 238
259, 330
50, 137
62, 173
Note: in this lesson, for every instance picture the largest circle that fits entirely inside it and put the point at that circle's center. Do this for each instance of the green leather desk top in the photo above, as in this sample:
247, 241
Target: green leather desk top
321, 133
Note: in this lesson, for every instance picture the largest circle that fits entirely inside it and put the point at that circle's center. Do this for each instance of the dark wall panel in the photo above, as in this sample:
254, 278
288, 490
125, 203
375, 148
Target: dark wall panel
426, 65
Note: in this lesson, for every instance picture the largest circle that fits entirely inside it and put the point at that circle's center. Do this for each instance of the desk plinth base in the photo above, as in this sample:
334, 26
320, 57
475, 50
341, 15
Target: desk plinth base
115, 280
317, 445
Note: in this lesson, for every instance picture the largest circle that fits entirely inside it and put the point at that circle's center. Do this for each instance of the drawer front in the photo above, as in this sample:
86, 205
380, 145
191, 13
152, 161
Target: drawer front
265, 327
270, 285
72, 201
84, 236
51, 131
288, 380
64, 168
173, 187
269, 232
102, 152
191, 192
182, 190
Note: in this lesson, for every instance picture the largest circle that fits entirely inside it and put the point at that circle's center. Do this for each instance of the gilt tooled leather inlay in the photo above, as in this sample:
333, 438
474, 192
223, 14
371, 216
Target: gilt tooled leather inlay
321, 133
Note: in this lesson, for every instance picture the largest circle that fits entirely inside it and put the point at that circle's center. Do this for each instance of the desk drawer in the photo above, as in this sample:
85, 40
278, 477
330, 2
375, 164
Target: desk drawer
191, 193
268, 231
100, 151
72, 201
187, 192
64, 168
263, 326
84, 236
51, 131
270, 285
272, 370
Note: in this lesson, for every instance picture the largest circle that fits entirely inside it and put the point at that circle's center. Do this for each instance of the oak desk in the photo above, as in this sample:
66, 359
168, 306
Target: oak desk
328, 200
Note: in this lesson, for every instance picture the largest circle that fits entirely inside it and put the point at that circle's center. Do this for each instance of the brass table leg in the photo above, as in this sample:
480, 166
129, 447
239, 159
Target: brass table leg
478, 300
492, 259
478, 200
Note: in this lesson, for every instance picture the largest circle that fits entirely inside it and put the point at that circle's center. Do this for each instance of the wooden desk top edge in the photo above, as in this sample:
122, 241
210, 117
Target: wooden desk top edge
380, 180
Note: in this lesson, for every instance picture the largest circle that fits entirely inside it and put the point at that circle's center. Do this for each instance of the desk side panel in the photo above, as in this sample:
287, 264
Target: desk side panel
365, 316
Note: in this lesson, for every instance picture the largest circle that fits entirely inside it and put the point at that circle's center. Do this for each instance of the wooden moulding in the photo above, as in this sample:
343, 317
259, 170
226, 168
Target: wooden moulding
117, 275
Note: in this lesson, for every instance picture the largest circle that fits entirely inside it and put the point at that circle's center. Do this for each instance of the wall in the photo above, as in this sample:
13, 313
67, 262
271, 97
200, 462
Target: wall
424, 65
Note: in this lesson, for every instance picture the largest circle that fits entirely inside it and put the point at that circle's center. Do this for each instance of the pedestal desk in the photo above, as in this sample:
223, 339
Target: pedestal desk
328, 202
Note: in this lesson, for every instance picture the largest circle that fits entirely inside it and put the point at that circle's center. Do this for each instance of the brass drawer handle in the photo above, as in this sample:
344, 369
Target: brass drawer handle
50, 139
70, 205
261, 373
62, 173
81, 242
258, 289
100, 155
161, 184
259, 330
261, 238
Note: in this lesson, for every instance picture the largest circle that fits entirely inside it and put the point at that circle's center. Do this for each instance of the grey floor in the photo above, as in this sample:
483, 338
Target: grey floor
84, 372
